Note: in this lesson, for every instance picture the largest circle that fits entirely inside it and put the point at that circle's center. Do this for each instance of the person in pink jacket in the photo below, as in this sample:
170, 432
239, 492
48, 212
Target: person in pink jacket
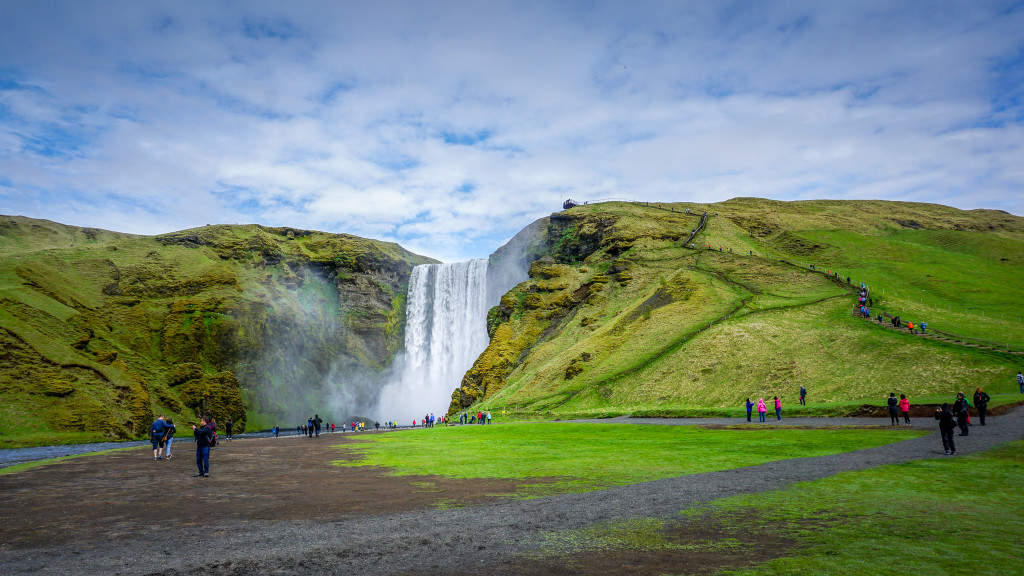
778, 408
761, 409
905, 408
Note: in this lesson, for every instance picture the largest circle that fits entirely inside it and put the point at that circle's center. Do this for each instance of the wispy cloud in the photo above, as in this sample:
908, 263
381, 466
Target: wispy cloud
448, 126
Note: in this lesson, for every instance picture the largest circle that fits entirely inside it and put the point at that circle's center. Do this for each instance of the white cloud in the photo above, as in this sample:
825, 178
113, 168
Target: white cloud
446, 126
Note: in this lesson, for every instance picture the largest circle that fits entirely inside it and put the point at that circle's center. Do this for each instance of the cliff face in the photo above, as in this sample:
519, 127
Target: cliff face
101, 330
622, 314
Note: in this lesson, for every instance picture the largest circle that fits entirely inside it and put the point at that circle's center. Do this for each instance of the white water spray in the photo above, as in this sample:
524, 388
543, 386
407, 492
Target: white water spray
445, 332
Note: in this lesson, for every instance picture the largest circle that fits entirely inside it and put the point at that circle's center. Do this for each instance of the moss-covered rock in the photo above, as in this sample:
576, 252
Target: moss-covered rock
218, 395
181, 373
129, 321
56, 386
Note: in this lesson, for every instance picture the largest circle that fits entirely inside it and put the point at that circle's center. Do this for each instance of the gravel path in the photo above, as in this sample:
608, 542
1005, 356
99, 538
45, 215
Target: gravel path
488, 537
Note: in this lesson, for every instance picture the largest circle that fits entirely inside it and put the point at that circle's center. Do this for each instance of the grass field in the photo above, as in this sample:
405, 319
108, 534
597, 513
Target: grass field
582, 457
927, 517
646, 325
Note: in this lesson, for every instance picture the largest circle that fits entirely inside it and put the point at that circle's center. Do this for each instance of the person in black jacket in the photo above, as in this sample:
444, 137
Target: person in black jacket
981, 400
960, 407
204, 437
894, 409
947, 423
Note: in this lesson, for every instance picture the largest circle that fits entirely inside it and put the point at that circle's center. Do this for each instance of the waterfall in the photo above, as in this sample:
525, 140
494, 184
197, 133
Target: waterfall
446, 326
445, 331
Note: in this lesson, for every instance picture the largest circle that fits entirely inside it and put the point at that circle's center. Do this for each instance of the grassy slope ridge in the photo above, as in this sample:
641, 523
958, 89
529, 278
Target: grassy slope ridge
99, 330
623, 318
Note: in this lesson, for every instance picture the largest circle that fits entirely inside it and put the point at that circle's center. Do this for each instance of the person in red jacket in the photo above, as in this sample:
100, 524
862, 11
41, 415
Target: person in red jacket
905, 408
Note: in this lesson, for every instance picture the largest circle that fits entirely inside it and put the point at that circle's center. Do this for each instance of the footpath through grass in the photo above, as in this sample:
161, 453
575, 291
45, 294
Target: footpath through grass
583, 457
925, 517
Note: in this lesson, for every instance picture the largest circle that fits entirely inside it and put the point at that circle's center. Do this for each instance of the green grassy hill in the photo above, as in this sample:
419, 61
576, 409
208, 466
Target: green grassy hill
100, 330
621, 316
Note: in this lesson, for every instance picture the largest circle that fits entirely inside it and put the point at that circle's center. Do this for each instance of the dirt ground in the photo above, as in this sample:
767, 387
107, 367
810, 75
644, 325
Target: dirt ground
112, 501
278, 506
116, 495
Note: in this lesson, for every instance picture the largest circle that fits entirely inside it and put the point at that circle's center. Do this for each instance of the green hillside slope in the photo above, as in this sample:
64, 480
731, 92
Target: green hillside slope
623, 317
99, 330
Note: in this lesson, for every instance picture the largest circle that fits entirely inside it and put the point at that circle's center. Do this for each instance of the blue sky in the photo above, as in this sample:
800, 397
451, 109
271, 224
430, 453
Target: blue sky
448, 126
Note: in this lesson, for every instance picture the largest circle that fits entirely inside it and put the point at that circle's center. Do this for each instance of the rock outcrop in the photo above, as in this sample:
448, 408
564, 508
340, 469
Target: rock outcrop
101, 330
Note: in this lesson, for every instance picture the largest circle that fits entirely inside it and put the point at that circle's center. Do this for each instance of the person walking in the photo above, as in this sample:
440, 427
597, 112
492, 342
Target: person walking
803, 395
204, 437
750, 409
1020, 382
894, 409
761, 409
981, 400
960, 408
905, 408
169, 438
227, 428
778, 408
156, 436
947, 423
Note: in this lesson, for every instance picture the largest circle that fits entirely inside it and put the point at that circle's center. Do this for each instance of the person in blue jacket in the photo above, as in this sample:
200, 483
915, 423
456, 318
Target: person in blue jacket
156, 436
204, 437
169, 437
750, 409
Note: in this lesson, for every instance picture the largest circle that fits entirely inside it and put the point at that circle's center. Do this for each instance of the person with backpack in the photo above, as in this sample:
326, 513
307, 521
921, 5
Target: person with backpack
960, 408
204, 434
169, 438
981, 400
894, 409
947, 423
